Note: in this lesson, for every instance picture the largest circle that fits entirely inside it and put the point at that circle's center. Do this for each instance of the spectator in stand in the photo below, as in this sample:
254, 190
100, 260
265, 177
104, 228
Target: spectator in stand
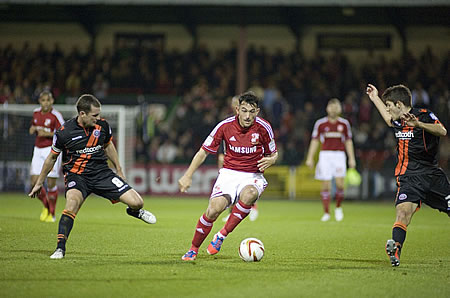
100, 87
420, 97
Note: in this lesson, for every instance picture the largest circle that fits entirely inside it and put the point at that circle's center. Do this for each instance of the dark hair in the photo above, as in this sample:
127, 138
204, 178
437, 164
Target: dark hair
250, 98
85, 102
398, 93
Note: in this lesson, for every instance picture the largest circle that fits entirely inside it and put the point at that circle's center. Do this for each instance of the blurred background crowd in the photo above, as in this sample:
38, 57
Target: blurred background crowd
294, 92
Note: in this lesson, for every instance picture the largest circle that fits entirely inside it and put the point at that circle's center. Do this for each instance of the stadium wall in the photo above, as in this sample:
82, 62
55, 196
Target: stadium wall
216, 37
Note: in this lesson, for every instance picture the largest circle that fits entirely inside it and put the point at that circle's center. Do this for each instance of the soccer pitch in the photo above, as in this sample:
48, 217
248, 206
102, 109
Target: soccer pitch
110, 254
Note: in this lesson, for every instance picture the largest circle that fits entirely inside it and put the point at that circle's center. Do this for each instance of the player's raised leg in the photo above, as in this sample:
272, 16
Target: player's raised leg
135, 206
204, 225
74, 200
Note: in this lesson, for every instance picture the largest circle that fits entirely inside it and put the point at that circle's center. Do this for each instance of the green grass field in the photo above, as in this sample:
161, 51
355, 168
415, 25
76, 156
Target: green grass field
110, 254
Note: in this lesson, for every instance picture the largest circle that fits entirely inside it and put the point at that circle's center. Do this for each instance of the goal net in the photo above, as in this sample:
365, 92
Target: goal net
16, 144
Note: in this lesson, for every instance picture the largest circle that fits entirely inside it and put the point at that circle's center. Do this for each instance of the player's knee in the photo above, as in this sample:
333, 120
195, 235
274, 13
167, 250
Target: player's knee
249, 196
214, 210
212, 214
51, 183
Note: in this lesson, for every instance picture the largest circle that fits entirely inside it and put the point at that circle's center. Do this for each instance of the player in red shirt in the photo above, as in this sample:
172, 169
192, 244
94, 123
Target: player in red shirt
335, 135
220, 159
250, 149
46, 120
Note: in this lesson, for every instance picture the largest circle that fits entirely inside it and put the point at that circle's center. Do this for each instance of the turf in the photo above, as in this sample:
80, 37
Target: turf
110, 254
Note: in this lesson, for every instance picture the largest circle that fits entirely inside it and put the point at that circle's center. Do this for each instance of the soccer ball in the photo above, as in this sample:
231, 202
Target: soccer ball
251, 250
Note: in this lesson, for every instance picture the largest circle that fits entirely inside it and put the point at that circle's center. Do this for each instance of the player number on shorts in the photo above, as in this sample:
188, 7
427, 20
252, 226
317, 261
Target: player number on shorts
117, 182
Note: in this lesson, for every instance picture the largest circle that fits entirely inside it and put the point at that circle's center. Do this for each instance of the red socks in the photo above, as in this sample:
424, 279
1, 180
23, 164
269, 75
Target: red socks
325, 195
339, 197
204, 226
52, 197
43, 197
238, 213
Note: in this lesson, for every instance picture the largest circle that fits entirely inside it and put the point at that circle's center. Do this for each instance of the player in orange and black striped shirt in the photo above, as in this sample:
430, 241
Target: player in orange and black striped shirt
419, 178
85, 143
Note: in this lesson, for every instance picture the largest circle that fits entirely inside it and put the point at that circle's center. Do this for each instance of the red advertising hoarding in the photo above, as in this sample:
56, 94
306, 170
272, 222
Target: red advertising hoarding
163, 180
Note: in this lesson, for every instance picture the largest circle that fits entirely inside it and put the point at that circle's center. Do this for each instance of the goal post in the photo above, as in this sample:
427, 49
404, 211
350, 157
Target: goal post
17, 144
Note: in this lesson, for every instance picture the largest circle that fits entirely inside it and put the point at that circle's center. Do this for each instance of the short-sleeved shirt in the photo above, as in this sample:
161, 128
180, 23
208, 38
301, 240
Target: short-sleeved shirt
416, 148
83, 149
332, 135
243, 146
49, 122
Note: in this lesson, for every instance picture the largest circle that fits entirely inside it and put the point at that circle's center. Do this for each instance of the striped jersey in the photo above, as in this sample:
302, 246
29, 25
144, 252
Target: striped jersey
416, 148
49, 122
82, 148
243, 147
332, 135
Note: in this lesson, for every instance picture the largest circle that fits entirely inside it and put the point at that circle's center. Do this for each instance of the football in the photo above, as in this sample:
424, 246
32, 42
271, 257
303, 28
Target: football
251, 250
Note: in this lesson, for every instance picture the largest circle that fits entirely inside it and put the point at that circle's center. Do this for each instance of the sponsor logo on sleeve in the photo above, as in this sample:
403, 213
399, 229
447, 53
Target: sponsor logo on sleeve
272, 145
433, 116
208, 141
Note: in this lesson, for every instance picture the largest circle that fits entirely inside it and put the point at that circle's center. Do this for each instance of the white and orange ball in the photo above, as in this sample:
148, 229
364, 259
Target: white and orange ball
251, 250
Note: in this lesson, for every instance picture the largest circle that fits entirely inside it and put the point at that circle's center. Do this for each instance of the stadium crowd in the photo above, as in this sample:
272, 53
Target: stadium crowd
294, 88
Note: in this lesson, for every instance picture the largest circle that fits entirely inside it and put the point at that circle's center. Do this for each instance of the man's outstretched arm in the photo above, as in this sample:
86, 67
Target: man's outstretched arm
185, 182
372, 92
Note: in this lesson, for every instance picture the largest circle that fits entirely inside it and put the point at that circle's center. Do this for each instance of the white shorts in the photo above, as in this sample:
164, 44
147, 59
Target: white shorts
231, 182
39, 156
331, 164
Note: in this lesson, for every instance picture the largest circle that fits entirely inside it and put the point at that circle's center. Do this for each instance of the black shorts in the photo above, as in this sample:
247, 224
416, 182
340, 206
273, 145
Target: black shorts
432, 189
105, 184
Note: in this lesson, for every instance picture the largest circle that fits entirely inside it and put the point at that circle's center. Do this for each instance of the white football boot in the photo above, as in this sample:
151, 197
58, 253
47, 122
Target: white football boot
325, 217
147, 216
58, 254
338, 214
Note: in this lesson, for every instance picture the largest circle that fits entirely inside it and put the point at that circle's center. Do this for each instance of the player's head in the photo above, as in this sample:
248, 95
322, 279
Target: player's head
398, 100
88, 107
334, 108
248, 109
46, 101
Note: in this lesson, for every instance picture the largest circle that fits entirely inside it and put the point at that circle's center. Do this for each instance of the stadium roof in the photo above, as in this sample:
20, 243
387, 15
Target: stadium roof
356, 3
293, 13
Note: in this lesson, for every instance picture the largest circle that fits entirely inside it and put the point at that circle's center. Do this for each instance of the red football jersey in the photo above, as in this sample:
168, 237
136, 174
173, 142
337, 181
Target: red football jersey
244, 146
49, 121
332, 135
